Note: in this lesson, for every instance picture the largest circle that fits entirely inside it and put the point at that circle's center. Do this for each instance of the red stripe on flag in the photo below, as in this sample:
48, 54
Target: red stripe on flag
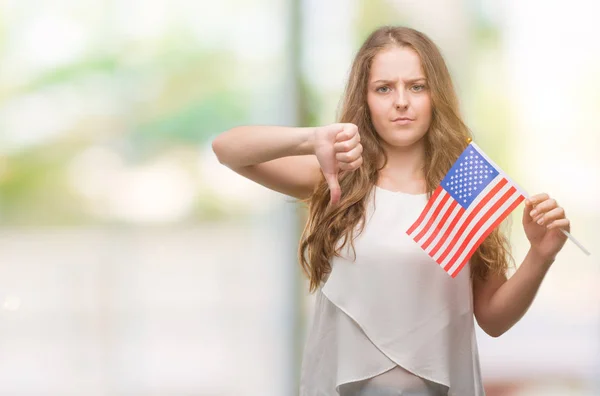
472, 214
436, 193
433, 217
440, 225
501, 201
459, 215
488, 232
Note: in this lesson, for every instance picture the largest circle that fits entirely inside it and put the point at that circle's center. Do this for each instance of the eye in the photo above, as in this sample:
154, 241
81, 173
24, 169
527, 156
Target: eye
418, 88
384, 87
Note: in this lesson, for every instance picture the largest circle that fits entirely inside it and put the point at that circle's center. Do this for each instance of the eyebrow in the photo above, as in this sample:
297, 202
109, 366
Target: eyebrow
412, 80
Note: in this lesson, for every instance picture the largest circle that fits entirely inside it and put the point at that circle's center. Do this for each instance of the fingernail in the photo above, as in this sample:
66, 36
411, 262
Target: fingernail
533, 213
540, 221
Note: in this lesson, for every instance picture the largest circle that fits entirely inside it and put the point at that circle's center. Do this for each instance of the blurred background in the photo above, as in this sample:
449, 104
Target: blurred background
133, 263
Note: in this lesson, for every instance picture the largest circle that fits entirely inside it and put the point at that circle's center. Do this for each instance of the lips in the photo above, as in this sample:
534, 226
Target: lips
402, 121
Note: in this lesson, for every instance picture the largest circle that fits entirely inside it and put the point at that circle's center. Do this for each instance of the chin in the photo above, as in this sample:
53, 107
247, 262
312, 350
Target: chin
403, 141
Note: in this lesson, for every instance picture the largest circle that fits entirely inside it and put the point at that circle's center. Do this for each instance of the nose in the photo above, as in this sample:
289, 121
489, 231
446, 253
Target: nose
401, 99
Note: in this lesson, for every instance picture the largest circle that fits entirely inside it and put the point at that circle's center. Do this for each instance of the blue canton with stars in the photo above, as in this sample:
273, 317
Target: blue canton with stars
468, 177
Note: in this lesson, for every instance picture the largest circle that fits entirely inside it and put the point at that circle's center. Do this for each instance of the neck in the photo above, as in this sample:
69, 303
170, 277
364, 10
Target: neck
404, 167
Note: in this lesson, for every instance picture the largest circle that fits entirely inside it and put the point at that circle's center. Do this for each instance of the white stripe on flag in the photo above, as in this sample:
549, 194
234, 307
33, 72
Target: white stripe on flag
430, 212
486, 226
447, 243
442, 232
437, 220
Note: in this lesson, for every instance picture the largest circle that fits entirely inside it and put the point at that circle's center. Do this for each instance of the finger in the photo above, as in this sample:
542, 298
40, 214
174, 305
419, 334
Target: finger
346, 145
543, 207
536, 199
527, 212
335, 192
530, 212
351, 155
548, 217
538, 217
352, 130
348, 131
352, 165
561, 223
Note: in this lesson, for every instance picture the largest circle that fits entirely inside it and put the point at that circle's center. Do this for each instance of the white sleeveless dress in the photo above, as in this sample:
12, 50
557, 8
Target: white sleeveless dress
392, 322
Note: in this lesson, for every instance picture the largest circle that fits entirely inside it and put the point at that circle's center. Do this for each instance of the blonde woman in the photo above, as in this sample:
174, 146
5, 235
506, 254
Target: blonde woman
388, 320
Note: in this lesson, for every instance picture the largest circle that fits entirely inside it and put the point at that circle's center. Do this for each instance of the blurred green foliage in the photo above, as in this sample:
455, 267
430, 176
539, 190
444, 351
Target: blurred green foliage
174, 91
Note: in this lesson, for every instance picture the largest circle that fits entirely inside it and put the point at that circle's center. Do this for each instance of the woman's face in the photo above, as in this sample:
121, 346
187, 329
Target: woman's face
398, 97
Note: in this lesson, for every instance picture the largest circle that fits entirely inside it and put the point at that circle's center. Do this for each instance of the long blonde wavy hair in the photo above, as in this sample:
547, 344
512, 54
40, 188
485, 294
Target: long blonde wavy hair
444, 142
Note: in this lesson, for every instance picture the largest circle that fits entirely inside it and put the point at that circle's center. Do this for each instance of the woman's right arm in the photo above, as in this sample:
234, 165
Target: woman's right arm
290, 160
279, 158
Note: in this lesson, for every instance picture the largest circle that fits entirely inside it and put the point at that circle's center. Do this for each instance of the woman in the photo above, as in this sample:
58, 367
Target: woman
388, 320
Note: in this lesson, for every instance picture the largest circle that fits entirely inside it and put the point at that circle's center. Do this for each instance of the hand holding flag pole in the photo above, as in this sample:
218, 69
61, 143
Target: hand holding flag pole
568, 235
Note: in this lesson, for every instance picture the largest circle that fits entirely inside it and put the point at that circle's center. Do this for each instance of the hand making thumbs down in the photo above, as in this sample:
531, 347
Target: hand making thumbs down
337, 148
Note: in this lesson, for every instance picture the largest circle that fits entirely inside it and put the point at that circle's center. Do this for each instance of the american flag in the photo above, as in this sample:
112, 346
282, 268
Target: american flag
472, 199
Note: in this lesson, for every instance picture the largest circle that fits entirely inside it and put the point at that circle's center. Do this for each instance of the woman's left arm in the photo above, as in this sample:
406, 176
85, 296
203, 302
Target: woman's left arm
500, 303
